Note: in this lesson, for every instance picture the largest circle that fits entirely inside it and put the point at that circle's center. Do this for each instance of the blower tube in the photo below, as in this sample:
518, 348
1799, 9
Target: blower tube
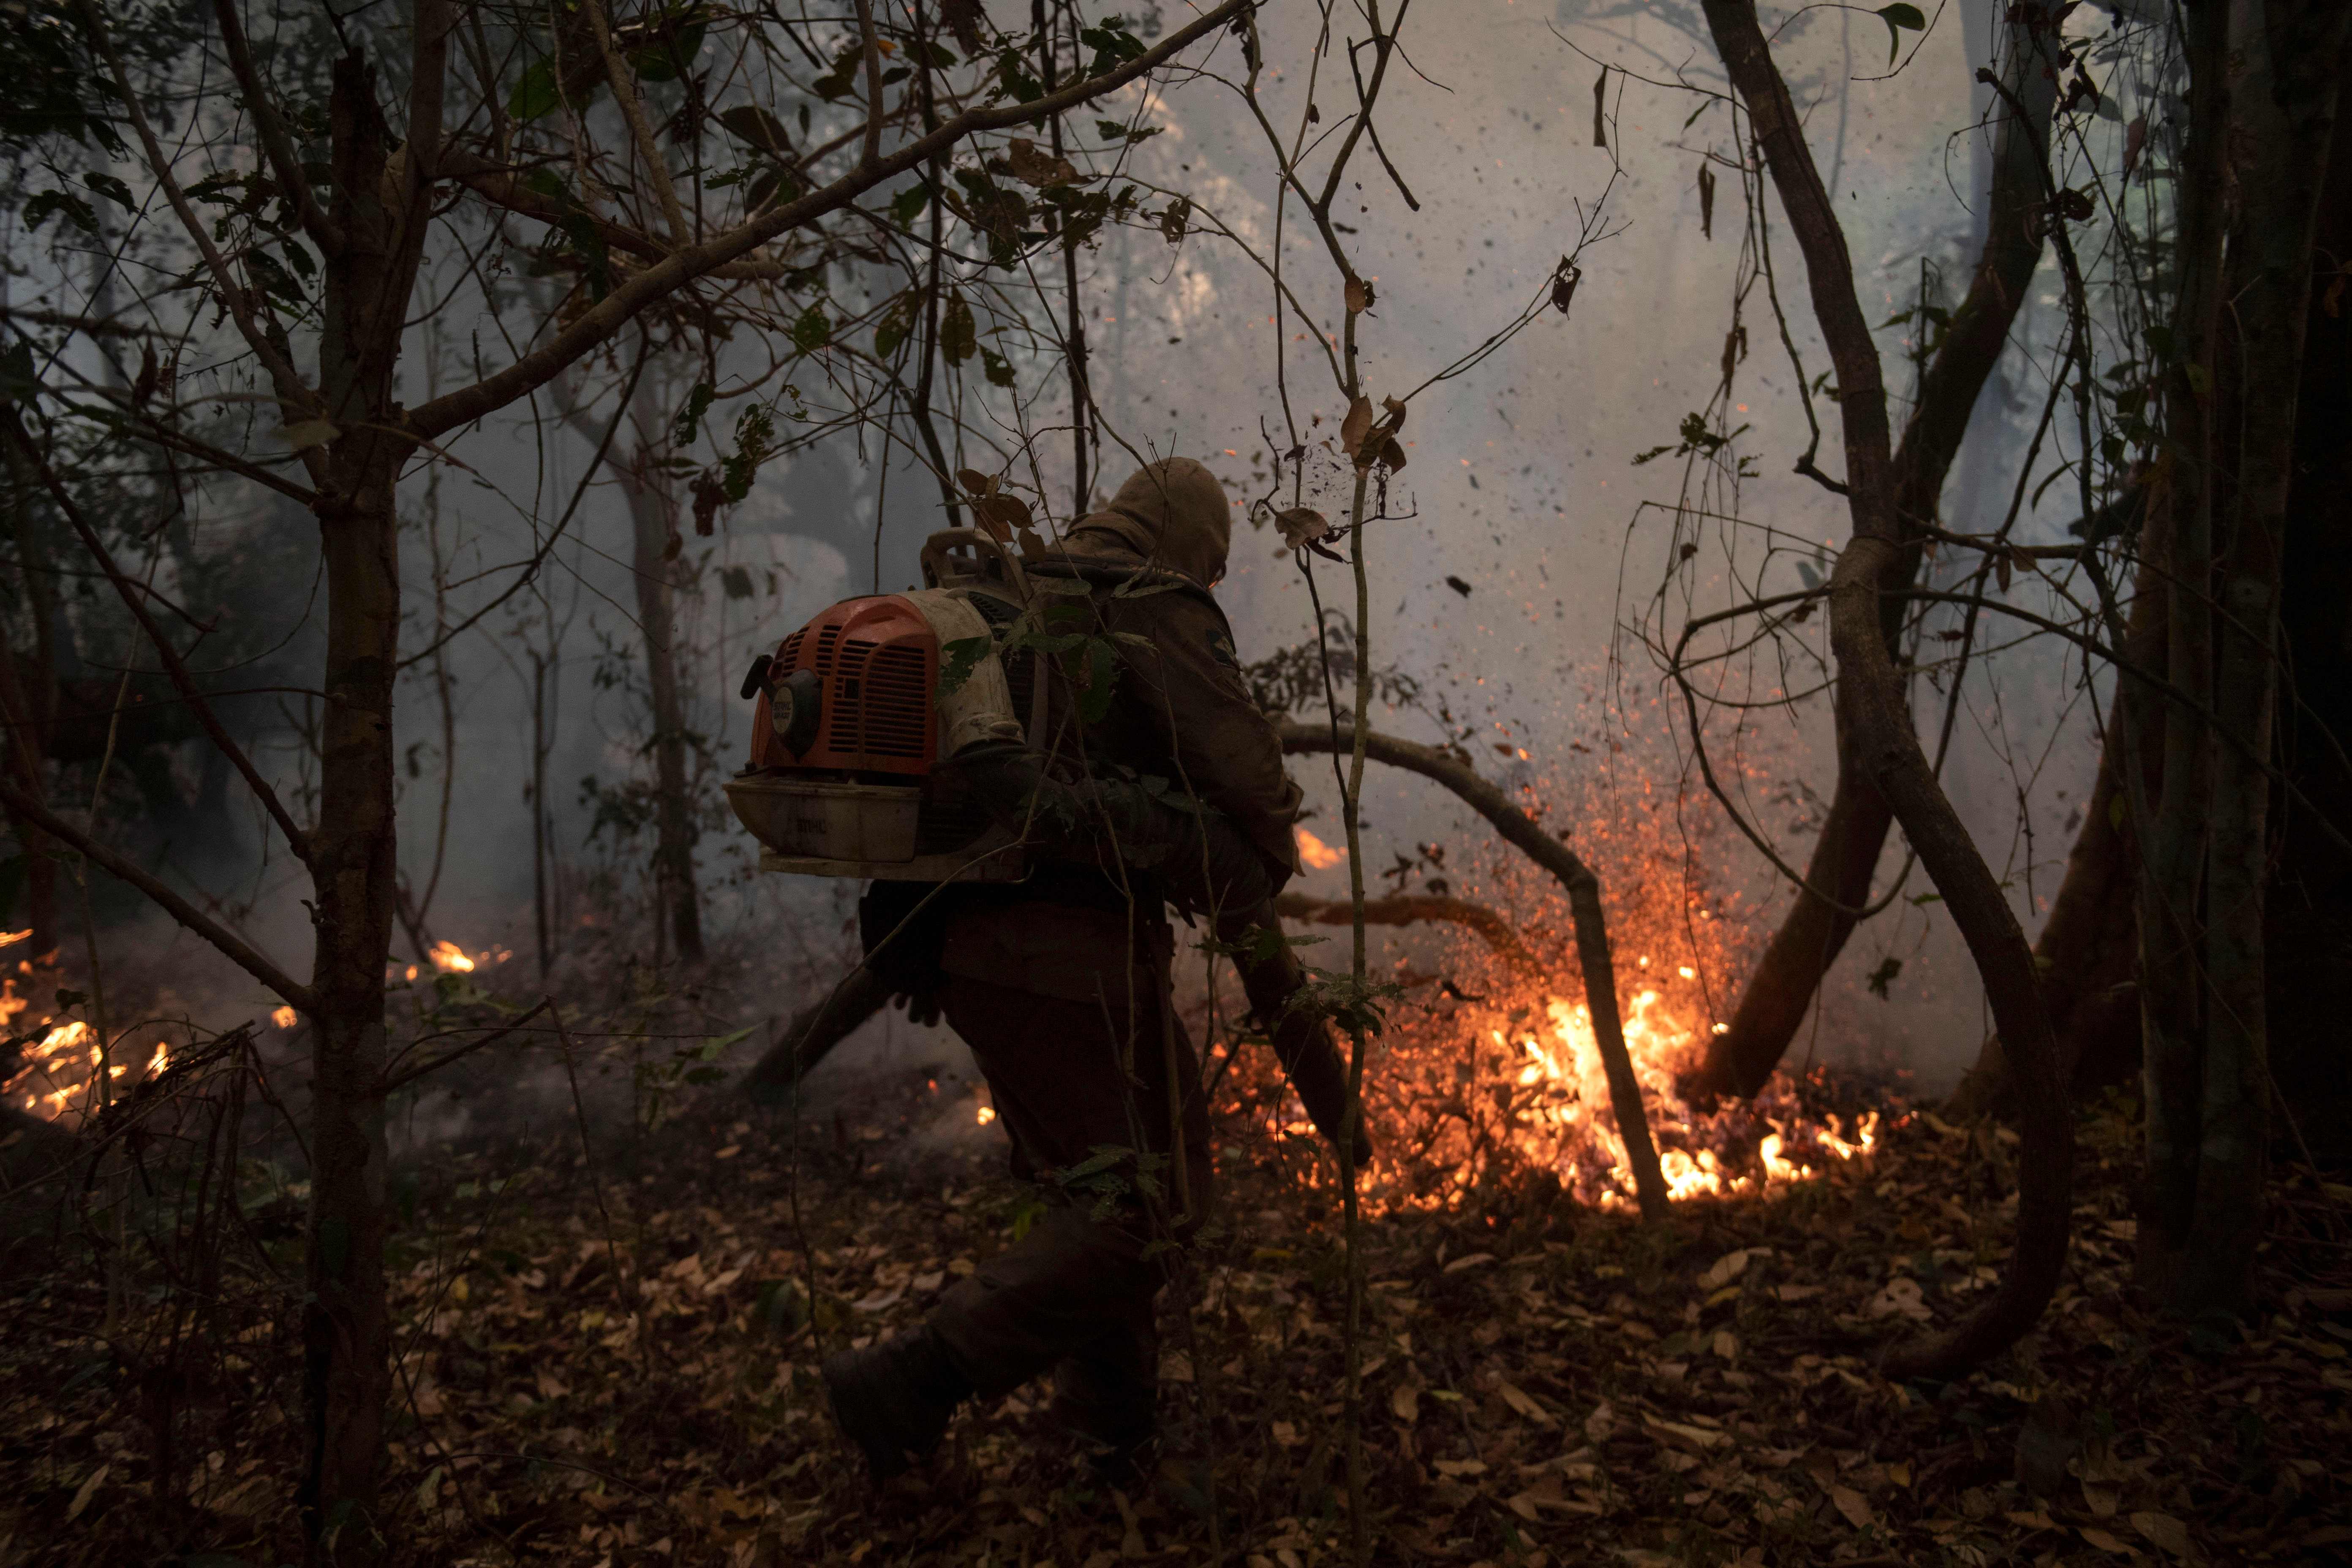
1203, 865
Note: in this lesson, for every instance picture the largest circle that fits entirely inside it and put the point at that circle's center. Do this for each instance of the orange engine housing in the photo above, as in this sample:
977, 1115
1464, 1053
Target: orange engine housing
878, 661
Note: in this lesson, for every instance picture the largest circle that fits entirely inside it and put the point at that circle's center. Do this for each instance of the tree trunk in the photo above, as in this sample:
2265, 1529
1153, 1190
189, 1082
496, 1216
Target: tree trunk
652, 516
351, 852
32, 695
2308, 944
1838, 877
2287, 109
2177, 544
1875, 724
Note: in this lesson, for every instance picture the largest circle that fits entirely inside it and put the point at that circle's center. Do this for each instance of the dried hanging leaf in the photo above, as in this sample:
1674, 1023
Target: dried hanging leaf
1706, 201
1173, 221
976, 483
1392, 454
1300, 525
1032, 547
1031, 167
2000, 569
1357, 424
1359, 296
1600, 87
1001, 515
1406, 1403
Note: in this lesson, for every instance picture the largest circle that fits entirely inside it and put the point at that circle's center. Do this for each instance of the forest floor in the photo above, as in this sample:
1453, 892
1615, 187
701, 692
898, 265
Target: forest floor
1543, 1384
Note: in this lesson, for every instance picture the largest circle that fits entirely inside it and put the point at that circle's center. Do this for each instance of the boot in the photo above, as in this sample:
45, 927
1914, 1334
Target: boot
893, 1399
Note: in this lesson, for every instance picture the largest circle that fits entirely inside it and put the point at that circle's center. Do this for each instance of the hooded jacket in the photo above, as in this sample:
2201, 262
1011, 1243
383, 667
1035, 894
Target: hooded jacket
1180, 713
1183, 712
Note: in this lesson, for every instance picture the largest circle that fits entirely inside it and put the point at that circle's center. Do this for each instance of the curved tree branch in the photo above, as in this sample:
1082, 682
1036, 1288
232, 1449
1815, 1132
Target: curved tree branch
1405, 909
1836, 886
1584, 905
1875, 734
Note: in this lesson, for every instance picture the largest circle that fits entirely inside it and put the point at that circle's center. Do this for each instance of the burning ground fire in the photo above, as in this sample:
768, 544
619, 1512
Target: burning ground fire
57, 1075
1487, 1070
448, 958
1572, 1112
60, 1074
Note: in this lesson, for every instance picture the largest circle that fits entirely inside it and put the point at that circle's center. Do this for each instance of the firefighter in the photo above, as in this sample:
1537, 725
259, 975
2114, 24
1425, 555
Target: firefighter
1060, 986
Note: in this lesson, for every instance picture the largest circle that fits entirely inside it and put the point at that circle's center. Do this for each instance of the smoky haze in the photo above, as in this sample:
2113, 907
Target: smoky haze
1532, 541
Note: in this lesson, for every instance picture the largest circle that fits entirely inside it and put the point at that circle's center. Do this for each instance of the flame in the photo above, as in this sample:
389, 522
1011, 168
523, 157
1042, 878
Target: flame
11, 938
1317, 855
285, 1017
450, 959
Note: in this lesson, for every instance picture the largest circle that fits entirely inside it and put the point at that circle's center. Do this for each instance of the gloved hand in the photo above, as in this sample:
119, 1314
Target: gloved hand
1302, 1043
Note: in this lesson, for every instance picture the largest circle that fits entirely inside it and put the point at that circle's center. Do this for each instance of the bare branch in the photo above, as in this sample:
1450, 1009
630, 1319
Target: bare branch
134, 599
540, 365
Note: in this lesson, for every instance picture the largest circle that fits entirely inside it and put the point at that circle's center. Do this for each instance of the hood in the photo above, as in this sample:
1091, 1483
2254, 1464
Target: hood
1173, 513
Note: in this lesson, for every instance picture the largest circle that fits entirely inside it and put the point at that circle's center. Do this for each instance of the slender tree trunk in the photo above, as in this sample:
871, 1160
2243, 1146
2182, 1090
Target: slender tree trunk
2308, 946
653, 516
2179, 548
2288, 107
353, 851
33, 695
1838, 877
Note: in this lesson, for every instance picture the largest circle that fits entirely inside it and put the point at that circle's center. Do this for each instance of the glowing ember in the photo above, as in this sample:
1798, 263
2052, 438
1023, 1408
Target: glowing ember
987, 1114
450, 959
285, 1017
1318, 856
11, 938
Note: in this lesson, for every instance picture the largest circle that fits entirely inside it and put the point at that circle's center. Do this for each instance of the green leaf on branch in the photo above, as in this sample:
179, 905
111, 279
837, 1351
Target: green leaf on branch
963, 657
1897, 18
908, 204
689, 418
535, 92
959, 337
811, 330
1883, 976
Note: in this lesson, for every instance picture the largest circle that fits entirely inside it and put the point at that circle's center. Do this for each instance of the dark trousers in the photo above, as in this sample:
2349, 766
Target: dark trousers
1073, 1080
